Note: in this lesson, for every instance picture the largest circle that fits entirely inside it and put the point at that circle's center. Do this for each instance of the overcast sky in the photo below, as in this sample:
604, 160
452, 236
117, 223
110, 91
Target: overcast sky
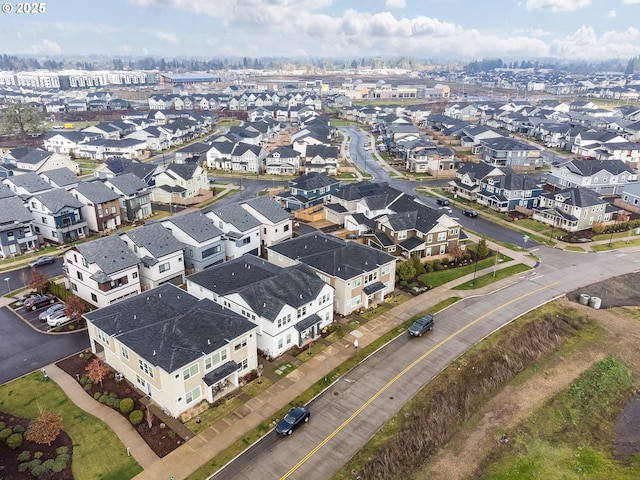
425, 29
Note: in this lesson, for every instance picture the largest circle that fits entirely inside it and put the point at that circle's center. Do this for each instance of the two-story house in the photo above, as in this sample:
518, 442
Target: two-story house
57, 216
176, 348
202, 241
360, 275
505, 193
134, 195
606, 177
308, 190
282, 161
276, 225
17, 234
182, 184
573, 209
508, 152
101, 207
470, 176
102, 271
160, 254
290, 306
241, 230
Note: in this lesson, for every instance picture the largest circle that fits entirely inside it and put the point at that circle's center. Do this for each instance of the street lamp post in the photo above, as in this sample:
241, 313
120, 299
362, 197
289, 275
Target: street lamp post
475, 268
525, 239
7, 279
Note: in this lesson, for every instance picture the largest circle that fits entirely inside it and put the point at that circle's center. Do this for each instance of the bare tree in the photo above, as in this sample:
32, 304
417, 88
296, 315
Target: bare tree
76, 307
148, 416
45, 428
39, 281
24, 277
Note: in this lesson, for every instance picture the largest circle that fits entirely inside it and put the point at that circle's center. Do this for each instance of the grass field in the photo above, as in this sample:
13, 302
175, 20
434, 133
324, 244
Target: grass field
97, 452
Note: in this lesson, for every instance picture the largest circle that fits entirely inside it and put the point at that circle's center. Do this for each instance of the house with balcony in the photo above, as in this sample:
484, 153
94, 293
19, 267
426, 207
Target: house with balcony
321, 159
282, 161
160, 254
57, 216
289, 305
436, 160
308, 190
470, 176
360, 275
509, 192
275, 221
508, 152
101, 207
182, 184
573, 209
17, 233
177, 349
605, 177
202, 241
134, 196
102, 272
241, 230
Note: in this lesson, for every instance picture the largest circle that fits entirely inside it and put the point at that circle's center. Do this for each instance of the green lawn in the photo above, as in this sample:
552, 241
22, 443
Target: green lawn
490, 278
435, 279
97, 452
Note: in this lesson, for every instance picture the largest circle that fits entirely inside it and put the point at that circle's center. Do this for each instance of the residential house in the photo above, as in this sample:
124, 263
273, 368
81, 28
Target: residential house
103, 271
606, 177
588, 142
282, 161
247, 158
27, 184
219, 155
194, 152
67, 142
182, 184
120, 166
509, 191
508, 152
60, 178
630, 198
469, 178
321, 159
155, 138
290, 306
101, 206
176, 348
134, 195
360, 275
308, 190
17, 233
241, 230
202, 241
276, 225
573, 209
101, 149
57, 216
160, 253
433, 159
39, 160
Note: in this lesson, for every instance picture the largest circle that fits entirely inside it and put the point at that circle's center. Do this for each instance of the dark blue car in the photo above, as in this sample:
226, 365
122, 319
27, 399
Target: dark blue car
296, 417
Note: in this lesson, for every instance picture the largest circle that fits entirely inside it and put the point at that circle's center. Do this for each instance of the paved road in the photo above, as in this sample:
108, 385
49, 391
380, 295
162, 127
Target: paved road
15, 280
353, 409
23, 349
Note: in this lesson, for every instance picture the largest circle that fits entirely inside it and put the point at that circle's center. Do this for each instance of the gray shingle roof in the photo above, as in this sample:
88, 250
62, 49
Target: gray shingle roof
183, 170
110, 253
128, 183
195, 224
236, 216
155, 238
31, 182
61, 177
168, 327
96, 192
270, 208
12, 210
57, 199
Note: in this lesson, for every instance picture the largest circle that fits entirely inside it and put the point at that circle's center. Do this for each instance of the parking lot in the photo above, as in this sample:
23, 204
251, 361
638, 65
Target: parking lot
32, 317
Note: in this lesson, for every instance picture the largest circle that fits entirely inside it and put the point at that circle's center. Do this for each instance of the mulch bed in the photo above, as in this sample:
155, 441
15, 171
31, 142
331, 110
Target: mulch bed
9, 458
162, 440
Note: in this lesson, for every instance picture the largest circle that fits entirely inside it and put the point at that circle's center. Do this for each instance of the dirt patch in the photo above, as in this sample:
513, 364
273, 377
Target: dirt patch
501, 415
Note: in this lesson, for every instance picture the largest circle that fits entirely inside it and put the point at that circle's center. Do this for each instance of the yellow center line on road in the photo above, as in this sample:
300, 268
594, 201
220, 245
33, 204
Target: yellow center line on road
402, 373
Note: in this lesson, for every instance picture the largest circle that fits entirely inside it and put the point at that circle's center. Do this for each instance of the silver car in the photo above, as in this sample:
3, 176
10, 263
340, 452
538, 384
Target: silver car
58, 307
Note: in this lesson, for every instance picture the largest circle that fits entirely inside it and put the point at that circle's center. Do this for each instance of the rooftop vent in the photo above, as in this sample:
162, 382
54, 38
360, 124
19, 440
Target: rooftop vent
154, 353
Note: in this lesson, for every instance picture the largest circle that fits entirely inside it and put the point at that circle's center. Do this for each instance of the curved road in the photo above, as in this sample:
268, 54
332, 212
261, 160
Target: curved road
359, 404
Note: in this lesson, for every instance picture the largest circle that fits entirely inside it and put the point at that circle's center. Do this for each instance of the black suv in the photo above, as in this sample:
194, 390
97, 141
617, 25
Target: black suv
443, 201
39, 301
422, 325
470, 213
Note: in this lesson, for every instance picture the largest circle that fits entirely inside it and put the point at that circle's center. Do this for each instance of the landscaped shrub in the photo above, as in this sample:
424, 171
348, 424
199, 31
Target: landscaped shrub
4, 434
84, 379
24, 456
18, 429
58, 465
37, 455
48, 464
126, 405
2, 425
103, 398
23, 467
109, 401
38, 470
63, 457
135, 417
14, 441
116, 403
88, 386
61, 450
97, 395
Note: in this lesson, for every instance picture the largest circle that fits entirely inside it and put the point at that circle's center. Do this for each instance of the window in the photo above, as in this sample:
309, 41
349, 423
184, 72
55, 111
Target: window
385, 270
402, 235
442, 236
240, 344
246, 241
215, 359
190, 372
94, 297
302, 311
192, 395
79, 274
244, 364
164, 267
103, 337
280, 343
44, 220
124, 352
145, 367
210, 251
113, 210
134, 275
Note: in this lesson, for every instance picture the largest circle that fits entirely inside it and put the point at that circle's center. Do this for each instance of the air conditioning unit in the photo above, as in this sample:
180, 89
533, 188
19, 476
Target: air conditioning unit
119, 377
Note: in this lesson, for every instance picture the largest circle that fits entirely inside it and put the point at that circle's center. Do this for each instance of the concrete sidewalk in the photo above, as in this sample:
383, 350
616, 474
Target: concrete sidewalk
201, 448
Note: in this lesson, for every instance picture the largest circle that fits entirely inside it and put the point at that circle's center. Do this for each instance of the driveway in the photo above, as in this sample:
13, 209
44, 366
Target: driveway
23, 349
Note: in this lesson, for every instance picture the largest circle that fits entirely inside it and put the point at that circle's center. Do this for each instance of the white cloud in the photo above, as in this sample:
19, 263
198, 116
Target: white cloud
611, 14
45, 46
534, 32
395, 3
630, 2
585, 43
557, 5
168, 37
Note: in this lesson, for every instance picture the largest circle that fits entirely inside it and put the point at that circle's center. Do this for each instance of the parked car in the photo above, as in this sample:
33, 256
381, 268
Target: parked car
443, 201
296, 417
44, 260
57, 319
446, 209
58, 307
422, 325
470, 213
39, 301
